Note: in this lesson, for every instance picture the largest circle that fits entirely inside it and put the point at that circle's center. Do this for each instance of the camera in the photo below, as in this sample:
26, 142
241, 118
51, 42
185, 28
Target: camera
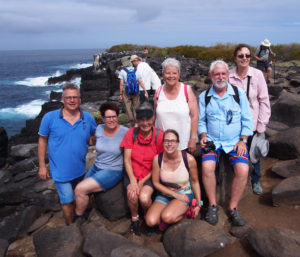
209, 146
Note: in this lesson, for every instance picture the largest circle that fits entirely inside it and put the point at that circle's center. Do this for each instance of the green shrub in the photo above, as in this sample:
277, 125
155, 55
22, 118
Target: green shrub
286, 52
97, 116
122, 119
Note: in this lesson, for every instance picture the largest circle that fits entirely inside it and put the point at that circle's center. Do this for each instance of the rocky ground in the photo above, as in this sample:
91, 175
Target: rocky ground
258, 210
31, 222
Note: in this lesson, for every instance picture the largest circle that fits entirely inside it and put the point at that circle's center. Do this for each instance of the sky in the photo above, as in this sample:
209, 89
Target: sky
83, 24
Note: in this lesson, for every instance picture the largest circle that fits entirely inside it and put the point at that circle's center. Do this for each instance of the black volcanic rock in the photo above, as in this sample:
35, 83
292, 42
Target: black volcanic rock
287, 109
275, 242
60, 241
112, 203
3, 146
285, 145
194, 238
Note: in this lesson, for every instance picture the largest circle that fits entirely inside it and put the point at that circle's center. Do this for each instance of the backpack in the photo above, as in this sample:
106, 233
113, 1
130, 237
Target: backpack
136, 131
132, 87
185, 92
184, 157
236, 96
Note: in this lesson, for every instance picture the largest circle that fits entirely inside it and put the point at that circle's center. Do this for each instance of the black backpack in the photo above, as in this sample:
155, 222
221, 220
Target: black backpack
236, 96
136, 131
184, 157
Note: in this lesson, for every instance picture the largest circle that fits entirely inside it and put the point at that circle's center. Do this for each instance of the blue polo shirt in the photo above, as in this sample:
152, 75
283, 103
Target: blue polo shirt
67, 144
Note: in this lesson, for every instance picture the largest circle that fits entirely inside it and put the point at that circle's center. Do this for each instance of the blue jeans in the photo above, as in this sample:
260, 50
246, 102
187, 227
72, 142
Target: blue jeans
105, 178
255, 174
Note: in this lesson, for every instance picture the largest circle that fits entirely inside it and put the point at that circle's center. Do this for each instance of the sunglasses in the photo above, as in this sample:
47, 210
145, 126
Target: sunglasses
241, 56
229, 116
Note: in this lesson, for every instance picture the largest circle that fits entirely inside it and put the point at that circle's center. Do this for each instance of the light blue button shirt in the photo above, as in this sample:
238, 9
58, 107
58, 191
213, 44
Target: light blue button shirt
212, 118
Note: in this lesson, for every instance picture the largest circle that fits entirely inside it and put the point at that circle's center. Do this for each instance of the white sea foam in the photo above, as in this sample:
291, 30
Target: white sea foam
37, 81
81, 66
42, 80
29, 110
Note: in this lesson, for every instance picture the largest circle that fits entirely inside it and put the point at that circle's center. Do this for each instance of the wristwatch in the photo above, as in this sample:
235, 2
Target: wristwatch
200, 204
244, 140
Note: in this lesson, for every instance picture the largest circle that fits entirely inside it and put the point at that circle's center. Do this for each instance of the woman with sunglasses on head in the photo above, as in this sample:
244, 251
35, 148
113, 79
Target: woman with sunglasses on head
140, 145
175, 176
107, 170
175, 106
252, 81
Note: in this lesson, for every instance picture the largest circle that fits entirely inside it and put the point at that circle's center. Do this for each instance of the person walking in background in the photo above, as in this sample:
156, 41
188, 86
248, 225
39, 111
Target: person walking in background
225, 122
175, 106
145, 72
175, 176
252, 81
262, 56
66, 133
130, 83
140, 145
107, 170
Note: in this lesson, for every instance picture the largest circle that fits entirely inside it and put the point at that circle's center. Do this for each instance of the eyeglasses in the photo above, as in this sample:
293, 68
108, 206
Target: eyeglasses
68, 98
111, 117
241, 56
229, 117
171, 141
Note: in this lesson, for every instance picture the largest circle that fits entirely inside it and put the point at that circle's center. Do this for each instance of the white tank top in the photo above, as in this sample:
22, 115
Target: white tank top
174, 114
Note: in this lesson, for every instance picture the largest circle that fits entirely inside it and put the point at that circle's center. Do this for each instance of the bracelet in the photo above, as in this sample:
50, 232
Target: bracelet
200, 203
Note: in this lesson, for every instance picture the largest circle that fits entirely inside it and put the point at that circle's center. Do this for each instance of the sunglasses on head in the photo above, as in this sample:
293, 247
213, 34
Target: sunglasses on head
241, 56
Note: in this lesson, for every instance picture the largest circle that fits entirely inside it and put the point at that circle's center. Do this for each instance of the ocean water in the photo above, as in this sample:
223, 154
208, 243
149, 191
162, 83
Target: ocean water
23, 81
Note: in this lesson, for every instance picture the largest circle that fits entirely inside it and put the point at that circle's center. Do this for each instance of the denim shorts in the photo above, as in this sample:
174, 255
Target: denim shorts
234, 158
105, 178
165, 199
65, 190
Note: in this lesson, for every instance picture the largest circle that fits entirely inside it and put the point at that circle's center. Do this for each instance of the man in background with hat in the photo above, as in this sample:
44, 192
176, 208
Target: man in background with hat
262, 56
146, 73
131, 101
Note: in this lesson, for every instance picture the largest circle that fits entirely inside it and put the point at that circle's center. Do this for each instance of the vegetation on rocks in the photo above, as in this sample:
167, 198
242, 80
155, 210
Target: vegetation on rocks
285, 52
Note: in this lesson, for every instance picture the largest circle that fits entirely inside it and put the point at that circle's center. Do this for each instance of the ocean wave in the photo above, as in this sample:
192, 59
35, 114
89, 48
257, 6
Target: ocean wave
42, 80
37, 81
29, 110
73, 66
81, 66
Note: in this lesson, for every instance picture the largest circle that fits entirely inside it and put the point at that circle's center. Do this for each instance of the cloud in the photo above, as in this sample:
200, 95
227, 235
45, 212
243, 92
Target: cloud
167, 22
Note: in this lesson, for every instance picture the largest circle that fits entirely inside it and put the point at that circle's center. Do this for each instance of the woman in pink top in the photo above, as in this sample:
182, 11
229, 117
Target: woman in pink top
175, 176
252, 81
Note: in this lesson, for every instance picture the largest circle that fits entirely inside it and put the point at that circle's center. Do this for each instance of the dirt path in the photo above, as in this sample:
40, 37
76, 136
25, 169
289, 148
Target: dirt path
260, 213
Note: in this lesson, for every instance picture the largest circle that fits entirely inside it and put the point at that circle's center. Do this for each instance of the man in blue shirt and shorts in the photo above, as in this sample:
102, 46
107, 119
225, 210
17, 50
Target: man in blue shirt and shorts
224, 119
66, 133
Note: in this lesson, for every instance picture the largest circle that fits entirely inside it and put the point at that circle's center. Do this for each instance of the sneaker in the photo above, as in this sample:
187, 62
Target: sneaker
211, 216
135, 228
257, 189
236, 218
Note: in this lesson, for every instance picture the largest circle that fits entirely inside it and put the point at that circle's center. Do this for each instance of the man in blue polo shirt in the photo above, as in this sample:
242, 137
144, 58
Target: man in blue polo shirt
225, 119
66, 133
